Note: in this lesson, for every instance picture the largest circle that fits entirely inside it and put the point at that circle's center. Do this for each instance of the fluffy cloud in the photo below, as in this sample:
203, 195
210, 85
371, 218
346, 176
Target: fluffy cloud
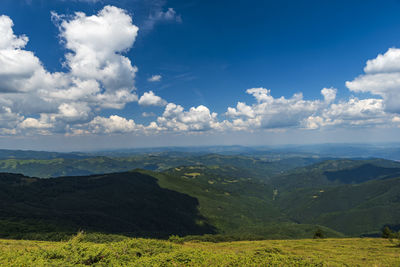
34, 123
329, 94
270, 112
281, 113
99, 75
351, 113
9, 121
382, 78
150, 99
197, 119
20, 71
74, 111
388, 62
155, 78
96, 43
112, 124
8, 39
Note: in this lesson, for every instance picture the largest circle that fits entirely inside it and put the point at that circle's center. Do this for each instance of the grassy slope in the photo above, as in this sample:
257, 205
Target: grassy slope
148, 252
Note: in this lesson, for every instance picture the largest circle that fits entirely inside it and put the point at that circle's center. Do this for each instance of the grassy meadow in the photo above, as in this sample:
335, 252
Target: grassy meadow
82, 251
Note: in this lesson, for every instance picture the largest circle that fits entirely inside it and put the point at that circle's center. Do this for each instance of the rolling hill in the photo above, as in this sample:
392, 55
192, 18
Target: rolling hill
130, 203
336, 172
353, 209
341, 197
46, 166
145, 203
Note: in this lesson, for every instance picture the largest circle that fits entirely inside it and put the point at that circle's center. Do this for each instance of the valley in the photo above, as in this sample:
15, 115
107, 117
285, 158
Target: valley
235, 197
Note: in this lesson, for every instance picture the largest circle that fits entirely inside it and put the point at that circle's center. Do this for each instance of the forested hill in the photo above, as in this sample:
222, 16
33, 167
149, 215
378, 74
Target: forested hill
342, 197
132, 203
336, 172
55, 165
144, 203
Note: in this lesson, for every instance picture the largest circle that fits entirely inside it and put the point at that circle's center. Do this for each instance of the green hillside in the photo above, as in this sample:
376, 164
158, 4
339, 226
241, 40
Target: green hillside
130, 203
351, 209
145, 203
340, 197
355, 197
232, 204
336, 172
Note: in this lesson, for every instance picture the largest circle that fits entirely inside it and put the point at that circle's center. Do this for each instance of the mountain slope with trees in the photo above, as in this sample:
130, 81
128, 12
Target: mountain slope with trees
341, 197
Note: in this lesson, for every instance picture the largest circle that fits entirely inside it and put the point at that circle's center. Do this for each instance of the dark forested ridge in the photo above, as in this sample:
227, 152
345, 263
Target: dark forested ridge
130, 203
218, 194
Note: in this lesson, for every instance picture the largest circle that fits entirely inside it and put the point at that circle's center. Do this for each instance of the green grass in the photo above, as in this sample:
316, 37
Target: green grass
82, 251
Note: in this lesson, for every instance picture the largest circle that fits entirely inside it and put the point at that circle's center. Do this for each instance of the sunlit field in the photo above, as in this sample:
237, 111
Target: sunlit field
150, 252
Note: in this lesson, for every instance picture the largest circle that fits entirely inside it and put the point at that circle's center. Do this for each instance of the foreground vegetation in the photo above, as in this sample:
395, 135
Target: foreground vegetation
121, 251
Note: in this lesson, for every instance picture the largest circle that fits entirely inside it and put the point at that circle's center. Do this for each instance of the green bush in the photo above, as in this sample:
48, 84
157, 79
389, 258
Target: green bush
103, 238
176, 239
319, 234
387, 232
395, 239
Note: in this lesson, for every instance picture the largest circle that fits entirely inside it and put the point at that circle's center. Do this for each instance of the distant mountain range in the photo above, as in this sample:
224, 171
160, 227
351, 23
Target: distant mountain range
389, 151
259, 166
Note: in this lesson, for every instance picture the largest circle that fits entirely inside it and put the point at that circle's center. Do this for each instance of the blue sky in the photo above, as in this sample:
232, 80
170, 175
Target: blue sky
224, 72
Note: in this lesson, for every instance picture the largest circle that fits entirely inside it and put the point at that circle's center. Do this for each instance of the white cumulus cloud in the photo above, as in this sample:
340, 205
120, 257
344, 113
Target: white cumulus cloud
329, 94
382, 78
150, 99
270, 112
96, 43
112, 124
352, 113
99, 76
34, 123
197, 119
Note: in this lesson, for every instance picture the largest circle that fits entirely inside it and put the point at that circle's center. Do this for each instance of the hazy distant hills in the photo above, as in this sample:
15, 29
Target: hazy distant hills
38, 155
336, 172
334, 150
223, 194
261, 167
